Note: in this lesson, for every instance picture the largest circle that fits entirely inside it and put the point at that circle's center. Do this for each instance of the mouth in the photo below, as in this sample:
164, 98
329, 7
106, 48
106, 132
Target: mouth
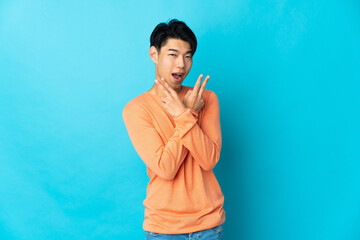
178, 77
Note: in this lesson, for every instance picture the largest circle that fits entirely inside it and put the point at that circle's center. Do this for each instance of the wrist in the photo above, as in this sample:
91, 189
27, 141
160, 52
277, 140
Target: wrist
181, 111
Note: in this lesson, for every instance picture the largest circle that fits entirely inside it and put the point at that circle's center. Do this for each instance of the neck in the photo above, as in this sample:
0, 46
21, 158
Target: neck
157, 91
179, 89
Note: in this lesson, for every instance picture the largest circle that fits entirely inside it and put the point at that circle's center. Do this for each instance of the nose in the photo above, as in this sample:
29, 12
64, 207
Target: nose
180, 62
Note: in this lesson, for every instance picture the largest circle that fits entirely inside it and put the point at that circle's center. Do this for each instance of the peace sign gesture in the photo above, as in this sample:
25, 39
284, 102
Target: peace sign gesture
193, 98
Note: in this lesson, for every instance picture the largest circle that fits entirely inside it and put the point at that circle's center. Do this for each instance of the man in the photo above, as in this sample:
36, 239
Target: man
175, 129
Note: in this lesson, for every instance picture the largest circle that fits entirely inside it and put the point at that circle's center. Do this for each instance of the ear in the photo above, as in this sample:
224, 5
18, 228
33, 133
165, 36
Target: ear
154, 55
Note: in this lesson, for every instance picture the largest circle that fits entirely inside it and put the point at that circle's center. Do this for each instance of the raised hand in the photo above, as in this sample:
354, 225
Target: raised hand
193, 98
171, 101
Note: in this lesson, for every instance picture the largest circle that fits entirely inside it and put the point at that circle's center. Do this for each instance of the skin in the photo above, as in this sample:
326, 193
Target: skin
175, 57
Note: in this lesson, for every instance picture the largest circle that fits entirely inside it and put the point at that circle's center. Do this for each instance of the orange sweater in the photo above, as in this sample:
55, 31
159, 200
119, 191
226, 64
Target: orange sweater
180, 152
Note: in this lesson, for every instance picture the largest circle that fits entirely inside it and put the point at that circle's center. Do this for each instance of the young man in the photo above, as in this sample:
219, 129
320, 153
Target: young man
175, 129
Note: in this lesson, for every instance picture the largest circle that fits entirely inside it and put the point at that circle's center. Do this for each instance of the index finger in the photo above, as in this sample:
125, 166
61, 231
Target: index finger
162, 86
203, 85
167, 86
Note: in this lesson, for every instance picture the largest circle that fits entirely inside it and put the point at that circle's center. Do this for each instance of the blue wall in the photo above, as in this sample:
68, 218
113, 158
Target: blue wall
287, 77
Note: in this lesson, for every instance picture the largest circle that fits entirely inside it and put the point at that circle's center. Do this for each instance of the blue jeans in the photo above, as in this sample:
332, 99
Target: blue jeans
215, 233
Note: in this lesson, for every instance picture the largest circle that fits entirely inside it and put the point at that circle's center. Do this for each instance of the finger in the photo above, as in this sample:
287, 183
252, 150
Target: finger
167, 85
164, 100
162, 87
197, 84
161, 83
203, 85
165, 92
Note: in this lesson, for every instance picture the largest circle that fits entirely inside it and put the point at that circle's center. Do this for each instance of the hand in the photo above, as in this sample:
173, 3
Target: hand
171, 100
193, 98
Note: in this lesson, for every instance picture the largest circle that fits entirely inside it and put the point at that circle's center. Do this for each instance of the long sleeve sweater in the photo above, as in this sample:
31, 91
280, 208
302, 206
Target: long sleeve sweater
180, 152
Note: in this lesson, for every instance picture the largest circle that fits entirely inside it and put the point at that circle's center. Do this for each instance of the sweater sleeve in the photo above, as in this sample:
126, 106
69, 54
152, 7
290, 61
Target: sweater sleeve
163, 158
204, 143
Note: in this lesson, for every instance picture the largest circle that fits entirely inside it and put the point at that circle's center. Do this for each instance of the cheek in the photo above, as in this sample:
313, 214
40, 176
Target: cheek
165, 66
188, 66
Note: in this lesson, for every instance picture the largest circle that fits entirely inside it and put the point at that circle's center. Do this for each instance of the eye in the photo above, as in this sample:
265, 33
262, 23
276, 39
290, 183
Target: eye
172, 54
189, 56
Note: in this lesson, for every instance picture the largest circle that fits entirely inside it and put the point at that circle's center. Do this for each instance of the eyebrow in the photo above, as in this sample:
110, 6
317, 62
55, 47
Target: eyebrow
175, 50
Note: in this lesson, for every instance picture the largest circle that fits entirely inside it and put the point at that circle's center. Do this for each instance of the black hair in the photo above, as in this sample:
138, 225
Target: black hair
173, 29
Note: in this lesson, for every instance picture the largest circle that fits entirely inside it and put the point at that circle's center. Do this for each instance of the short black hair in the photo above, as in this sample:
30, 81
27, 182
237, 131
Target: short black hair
173, 29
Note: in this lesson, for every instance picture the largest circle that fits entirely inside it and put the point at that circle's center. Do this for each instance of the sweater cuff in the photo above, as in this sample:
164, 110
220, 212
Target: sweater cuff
194, 113
185, 121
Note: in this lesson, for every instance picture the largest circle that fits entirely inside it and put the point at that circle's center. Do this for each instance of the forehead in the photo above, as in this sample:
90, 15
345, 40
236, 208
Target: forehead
177, 44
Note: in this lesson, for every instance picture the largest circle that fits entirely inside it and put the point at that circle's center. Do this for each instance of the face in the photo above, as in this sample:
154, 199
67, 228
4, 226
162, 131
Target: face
173, 62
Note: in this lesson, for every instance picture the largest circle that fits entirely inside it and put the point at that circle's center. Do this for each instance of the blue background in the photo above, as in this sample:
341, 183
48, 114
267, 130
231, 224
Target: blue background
287, 76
